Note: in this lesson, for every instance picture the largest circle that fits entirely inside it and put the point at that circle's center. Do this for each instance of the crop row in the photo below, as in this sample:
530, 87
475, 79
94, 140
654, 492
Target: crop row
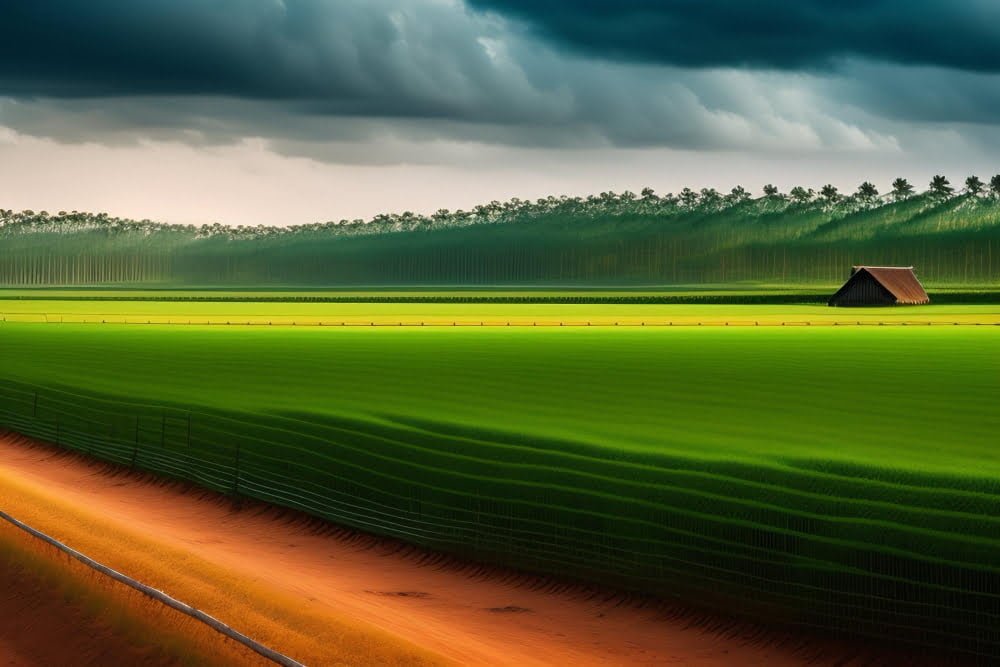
882, 553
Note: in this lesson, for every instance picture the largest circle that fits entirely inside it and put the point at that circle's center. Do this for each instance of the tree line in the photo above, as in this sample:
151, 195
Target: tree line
691, 236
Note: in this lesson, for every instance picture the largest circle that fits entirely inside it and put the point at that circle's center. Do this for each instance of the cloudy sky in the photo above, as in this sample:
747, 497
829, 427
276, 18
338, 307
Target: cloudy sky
291, 111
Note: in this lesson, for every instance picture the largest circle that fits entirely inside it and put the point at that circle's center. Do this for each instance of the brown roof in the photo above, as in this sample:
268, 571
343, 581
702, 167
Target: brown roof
899, 280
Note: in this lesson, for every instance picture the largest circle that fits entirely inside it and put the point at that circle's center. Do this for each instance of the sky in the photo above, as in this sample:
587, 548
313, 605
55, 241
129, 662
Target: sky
294, 111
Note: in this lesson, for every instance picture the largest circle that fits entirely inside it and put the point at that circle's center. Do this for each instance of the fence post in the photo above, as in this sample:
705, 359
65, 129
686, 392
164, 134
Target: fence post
135, 446
236, 476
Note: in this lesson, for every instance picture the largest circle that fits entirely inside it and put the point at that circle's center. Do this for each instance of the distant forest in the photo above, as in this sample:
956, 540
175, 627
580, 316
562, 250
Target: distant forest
950, 234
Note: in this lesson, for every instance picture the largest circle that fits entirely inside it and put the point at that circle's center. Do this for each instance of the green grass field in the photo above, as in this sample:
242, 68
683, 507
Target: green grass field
746, 394
841, 477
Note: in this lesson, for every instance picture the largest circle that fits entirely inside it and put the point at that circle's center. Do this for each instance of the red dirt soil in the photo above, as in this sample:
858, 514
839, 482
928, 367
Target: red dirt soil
326, 596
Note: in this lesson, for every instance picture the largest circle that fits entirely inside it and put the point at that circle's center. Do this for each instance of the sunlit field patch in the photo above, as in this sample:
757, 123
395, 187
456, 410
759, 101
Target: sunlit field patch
483, 314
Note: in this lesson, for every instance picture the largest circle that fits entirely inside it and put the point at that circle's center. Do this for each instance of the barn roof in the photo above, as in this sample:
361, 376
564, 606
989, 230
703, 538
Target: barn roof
901, 282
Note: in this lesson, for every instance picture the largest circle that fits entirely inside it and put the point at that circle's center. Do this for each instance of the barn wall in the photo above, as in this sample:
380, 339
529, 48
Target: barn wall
863, 291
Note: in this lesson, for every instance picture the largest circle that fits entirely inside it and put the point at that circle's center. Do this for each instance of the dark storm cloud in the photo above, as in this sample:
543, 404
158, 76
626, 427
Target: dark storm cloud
782, 34
922, 94
331, 70
122, 47
346, 57
303, 73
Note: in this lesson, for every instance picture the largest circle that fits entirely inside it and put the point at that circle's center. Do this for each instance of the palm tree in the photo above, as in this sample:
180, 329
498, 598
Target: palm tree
801, 195
867, 192
710, 197
995, 186
829, 193
689, 198
738, 194
770, 191
901, 189
941, 187
974, 186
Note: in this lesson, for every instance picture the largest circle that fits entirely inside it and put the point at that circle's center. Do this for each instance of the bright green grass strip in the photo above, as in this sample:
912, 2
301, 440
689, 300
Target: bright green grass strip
918, 399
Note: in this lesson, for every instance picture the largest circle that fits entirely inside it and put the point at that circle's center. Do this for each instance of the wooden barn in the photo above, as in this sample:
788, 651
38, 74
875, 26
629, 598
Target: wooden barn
880, 286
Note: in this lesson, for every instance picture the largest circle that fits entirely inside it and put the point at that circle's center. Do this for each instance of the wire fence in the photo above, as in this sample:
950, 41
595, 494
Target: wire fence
715, 537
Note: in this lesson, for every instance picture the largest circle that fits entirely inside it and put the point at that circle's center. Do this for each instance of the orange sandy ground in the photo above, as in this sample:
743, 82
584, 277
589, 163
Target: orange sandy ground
55, 611
33, 613
327, 597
